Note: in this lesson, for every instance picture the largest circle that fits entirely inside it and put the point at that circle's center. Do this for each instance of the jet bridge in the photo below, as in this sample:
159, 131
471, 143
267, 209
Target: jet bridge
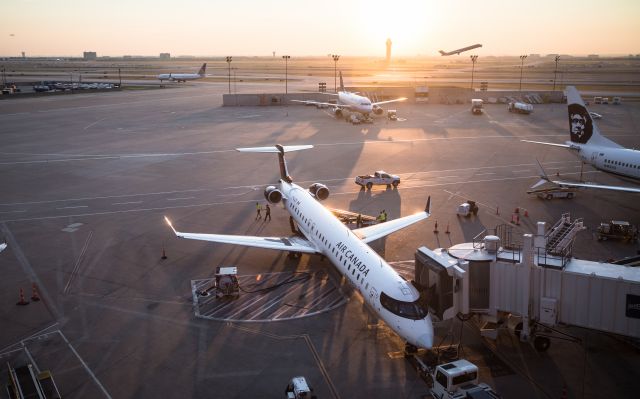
536, 279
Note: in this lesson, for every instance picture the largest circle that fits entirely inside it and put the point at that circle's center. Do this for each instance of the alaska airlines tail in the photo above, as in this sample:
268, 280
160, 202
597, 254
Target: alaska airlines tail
582, 128
202, 69
280, 150
341, 82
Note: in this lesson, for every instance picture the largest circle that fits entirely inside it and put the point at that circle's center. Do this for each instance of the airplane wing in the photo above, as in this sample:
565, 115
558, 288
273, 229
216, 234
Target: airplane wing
598, 186
545, 179
320, 103
553, 144
290, 244
395, 100
371, 233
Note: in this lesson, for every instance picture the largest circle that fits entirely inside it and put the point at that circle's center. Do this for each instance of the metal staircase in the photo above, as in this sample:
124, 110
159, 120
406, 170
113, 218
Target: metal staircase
559, 238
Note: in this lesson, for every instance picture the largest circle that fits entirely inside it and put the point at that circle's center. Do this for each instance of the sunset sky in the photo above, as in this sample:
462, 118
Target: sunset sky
317, 28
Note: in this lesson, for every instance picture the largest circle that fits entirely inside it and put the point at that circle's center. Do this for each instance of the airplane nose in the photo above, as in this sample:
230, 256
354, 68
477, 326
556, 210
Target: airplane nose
425, 341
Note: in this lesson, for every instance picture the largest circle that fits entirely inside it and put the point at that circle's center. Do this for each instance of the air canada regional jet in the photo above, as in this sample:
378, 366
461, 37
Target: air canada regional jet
593, 148
183, 77
395, 300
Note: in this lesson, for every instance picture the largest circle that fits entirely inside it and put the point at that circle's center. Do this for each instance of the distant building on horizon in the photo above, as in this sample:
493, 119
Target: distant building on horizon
165, 56
89, 56
388, 58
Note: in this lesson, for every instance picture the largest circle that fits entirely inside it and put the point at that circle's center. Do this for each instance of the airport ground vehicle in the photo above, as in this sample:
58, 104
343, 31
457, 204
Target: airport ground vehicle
459, 379
556, 193
467, 208
392, 115
476, 106
520, 108
380, 177
616, 101
298, 388
597, 100
617, 229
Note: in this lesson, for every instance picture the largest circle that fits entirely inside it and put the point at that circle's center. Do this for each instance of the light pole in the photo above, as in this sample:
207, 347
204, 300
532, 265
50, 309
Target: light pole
555, 73
522, 58
286, 60
229, 59
335, 57
474, 58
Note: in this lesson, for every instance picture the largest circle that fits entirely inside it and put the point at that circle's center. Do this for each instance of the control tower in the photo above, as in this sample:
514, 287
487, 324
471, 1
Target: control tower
388, 59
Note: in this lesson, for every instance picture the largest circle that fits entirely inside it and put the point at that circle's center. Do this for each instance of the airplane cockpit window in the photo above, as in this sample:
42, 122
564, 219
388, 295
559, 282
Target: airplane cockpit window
416, 310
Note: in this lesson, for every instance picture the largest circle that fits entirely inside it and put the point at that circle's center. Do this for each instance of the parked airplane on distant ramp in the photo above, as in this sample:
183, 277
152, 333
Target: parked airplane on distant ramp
592, 148
183, 77
398, 302
353, 102
460, 50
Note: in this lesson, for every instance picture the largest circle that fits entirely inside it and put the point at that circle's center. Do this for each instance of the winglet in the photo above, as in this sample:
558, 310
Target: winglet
166, 219
427, 208
543, 174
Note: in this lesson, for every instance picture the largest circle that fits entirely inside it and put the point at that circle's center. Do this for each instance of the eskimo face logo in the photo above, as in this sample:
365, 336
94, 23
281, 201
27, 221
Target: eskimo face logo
580, 123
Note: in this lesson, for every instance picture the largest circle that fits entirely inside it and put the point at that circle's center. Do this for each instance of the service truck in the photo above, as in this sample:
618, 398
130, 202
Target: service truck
476, 106
378, 178
459, 379
520, 108
298, 388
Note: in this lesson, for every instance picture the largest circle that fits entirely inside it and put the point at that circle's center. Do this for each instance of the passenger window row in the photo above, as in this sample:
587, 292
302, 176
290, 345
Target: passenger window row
627, 165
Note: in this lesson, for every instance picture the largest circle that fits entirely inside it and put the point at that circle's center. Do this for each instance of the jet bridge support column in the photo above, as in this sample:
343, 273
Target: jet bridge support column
525, 295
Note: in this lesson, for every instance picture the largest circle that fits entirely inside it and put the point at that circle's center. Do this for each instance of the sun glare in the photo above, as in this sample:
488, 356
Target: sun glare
406, 22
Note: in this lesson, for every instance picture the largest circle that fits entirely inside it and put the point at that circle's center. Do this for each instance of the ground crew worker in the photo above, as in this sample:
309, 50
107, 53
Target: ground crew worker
359, 221
267, 213
384, 212
380, 218
258, 209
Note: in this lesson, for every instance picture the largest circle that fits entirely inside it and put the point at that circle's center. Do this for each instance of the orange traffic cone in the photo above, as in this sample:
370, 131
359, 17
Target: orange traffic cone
517, 210
447, 232
22, 302
435, 229
164, 255
34, 293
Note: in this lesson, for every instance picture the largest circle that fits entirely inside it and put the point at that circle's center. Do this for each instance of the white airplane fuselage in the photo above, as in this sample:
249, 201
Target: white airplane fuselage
620, 161
367, 272
179, 77
356, 103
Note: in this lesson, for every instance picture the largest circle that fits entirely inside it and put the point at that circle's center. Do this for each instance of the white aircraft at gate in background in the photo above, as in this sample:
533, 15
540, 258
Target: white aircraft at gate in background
353, 102
183, 77
593, 148
395, 300
460, 50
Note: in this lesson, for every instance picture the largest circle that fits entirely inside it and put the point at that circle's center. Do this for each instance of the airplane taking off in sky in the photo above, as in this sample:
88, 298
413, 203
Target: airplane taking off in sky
352, 102
398, 302
460, 50
183, 77
593, 148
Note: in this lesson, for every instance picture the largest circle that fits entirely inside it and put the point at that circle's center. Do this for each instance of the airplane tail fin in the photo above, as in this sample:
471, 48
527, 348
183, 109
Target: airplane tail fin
582, 128
442, 52
280, 150
203, 68
341, 82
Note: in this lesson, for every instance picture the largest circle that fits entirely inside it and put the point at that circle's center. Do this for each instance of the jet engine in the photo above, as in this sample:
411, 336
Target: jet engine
319, 190
337, 112
272, 194
378, 110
